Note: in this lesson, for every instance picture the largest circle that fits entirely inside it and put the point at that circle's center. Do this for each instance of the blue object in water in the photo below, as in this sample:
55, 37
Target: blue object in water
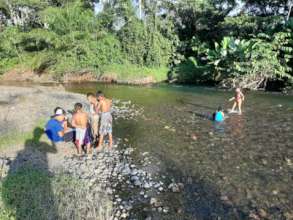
219, 117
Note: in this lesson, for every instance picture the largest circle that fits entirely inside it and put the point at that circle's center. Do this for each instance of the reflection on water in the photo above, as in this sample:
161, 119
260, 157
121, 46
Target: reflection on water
232, 170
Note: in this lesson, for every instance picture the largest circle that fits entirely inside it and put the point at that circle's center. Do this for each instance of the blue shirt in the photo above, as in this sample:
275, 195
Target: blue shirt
54, 126
219, 117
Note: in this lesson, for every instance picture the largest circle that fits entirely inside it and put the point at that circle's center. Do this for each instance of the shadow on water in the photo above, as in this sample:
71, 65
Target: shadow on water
27, 190
202, 200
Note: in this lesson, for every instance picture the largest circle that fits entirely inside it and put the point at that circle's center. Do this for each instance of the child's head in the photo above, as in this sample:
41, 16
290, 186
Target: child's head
59, 114
91, 97
77, 107
237, 90
220, 109
100, 95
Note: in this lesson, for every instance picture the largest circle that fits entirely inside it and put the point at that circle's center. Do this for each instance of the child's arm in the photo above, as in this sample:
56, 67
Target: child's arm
65, 125
242, 96
73, 123
231, 99
61, 133
98, 107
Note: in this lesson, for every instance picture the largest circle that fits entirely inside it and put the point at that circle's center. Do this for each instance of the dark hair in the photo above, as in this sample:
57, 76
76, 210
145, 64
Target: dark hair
220, 109
90, 94
77, 106
99, 93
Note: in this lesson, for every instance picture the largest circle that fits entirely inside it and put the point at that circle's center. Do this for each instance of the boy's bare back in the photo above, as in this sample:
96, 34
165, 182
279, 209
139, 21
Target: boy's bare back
80, 120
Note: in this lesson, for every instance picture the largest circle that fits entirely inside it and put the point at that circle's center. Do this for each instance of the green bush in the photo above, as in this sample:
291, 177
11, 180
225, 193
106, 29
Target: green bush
143, 46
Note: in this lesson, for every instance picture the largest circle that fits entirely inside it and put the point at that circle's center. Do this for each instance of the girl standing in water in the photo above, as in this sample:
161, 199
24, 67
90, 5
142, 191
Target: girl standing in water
238, 99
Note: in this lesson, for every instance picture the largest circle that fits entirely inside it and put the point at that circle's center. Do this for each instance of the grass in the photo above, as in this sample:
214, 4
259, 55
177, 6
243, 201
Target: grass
32, 194
128, 72
16, 137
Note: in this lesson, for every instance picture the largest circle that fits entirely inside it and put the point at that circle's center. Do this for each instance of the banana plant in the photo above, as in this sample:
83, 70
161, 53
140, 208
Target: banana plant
227, 54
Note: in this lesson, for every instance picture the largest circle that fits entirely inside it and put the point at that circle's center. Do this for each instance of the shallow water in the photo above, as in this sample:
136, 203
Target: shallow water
240, 168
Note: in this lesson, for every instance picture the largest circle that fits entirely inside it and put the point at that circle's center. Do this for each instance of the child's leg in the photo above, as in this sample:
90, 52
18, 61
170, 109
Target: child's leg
234, 106
78, 147
95, 126
110, 140
88, 148
239, 106
101, 140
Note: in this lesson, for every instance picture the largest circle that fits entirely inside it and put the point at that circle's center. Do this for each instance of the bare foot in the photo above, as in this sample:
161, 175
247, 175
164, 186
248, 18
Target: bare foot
99, 148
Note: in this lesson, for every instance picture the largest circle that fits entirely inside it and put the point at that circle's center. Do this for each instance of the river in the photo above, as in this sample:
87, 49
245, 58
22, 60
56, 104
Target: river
240, 169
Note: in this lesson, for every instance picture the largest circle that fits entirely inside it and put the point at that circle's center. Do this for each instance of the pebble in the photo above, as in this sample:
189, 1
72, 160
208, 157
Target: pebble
147, 185
275, 192
174, 187
262, 213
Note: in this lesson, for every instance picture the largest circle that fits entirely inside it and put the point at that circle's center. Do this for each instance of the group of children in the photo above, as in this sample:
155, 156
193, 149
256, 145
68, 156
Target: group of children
219, 115
91, 128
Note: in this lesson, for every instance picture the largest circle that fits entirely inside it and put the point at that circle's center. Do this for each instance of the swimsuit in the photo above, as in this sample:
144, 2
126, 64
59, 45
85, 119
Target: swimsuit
238, 97
82, 136
106, 123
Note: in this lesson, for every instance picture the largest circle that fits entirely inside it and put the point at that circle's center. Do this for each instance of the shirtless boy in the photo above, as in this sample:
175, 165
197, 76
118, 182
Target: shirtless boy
238, 99
104, 107
82, 135
94, 115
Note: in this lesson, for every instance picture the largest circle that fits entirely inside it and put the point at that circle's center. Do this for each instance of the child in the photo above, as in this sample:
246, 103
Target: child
104, 107
94, 115
82, 134
219, 115
238, 99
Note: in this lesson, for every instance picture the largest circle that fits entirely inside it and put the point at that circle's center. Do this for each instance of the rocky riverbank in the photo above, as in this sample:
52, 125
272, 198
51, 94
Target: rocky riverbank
77, 77
106, 185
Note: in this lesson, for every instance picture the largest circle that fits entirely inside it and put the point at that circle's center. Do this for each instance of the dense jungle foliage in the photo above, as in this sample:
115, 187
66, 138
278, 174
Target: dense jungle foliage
221, 42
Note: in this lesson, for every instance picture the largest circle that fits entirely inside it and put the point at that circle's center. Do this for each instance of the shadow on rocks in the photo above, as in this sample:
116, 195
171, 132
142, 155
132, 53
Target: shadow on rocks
27, 189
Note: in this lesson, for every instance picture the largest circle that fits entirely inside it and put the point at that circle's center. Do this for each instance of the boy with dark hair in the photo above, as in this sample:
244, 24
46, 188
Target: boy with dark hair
82, 133
219, 115
104, 107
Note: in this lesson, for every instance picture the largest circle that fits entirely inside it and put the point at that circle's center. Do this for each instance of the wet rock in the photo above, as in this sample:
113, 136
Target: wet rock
289, 215
254, 216
147, 185
124, 215
289, 162
262, 213
155, 202
275, 192
165, 210
174, 188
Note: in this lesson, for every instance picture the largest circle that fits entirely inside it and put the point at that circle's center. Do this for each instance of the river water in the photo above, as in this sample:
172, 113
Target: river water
240, 169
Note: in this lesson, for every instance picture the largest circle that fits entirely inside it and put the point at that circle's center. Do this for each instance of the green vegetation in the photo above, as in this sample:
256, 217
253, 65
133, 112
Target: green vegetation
14, 138
214, 42
130, 72
31, 193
